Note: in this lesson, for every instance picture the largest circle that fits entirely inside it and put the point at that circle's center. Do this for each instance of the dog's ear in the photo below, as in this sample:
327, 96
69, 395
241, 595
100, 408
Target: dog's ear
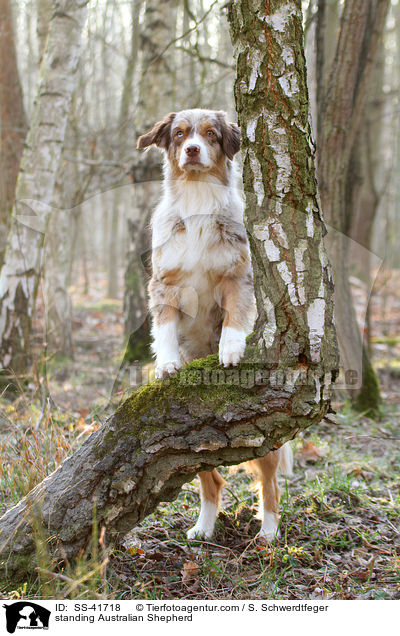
159, 135
231, 140
230, 136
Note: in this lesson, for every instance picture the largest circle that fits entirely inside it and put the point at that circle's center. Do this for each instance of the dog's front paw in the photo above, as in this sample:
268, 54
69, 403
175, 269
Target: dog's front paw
165, 369
231, 346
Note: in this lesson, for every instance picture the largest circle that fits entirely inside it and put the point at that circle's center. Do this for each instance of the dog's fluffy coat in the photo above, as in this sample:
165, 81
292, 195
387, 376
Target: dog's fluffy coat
201, 291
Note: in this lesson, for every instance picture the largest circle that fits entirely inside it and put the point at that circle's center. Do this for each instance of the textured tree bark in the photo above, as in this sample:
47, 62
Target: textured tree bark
205, 415
58, 238
127, 107
154, 101
327, 23
158, 440
362, 199
365, 180
362, 24
22, 263
292, 276
43, 10
136, 318
12, 117
57, 249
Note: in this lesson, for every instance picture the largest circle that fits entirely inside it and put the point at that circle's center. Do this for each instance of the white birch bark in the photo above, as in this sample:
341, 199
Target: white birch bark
57, 245
22, 264
294, 332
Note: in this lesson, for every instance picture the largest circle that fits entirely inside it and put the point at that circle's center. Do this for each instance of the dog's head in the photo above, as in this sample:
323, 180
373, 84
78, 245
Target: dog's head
196, 141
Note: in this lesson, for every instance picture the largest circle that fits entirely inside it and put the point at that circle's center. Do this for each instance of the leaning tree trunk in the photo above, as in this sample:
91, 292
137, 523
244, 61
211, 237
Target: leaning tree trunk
205, 415
362, 24
22, 263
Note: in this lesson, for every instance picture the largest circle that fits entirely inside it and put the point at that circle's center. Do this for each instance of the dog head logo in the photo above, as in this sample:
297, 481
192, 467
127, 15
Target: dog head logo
26, 615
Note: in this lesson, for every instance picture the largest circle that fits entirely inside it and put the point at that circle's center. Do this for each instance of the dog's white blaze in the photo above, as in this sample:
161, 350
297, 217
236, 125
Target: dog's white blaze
206, 521
204, 157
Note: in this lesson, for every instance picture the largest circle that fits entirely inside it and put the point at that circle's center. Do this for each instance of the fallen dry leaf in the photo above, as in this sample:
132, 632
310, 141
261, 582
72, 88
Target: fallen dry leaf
190, 571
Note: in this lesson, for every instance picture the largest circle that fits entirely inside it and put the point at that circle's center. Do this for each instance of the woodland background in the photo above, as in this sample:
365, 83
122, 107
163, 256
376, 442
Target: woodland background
89, 340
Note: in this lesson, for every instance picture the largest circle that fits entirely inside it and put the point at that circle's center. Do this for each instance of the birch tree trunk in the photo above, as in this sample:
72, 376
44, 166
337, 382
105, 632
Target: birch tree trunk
205, 415
362, 25
155, 100
136, 323
292, 276
12, 118
22, 264
366, 175
43, 10
327, 23
57, 241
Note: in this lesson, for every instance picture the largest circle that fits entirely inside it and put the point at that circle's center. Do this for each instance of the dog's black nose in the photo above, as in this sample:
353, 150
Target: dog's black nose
192, 150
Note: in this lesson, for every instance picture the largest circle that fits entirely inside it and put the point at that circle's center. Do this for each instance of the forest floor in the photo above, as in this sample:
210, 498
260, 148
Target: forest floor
339, 529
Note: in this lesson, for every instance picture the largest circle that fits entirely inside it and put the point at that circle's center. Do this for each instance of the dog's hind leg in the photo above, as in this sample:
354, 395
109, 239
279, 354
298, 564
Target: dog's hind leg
266, 468
211, 484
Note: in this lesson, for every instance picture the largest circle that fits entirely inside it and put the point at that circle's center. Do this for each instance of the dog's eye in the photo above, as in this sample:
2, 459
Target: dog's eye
210, 133
179, 134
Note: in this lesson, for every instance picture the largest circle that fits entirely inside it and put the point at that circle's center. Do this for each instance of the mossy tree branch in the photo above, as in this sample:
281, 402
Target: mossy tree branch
156, 441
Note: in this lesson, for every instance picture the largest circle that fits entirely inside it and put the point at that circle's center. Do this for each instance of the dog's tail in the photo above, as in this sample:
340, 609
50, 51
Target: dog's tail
285, 465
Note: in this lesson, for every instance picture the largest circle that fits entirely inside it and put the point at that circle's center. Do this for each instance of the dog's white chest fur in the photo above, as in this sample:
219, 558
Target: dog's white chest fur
189, 225
195, 247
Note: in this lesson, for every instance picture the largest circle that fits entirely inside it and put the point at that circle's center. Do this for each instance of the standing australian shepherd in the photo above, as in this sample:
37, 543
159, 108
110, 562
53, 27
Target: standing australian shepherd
201, 292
